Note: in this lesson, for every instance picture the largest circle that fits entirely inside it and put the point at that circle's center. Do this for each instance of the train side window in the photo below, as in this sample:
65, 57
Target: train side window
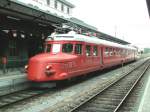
114, 51
88, 50
127, 52
78, 49
95, 51
111, 51
119, 52
124, 52
67, 48
106, 52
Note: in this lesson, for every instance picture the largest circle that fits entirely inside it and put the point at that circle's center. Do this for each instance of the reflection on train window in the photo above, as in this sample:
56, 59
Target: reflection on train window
95, 51
48, 48
88, 50
56, 48
78, 49
67, 48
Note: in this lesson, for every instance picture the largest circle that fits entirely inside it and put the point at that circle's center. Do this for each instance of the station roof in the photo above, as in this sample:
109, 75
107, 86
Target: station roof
112, 38
148, 5
81, 23
67, 3
20, 10
101, 35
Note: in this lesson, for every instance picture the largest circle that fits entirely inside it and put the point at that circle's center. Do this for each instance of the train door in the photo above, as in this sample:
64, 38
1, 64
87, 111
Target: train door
101, 55
78, 50
88, 53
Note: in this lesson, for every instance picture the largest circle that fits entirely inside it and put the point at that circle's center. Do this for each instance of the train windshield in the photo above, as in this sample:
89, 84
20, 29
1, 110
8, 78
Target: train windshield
67, 48
56, 48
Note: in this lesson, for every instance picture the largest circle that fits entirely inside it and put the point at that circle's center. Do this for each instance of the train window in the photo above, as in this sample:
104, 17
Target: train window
124, 52
117, 51
106, 51
120, 52
127, 52
67, 48
48, 48
88, 50
111, 51
95, 51
78, 49
56, 48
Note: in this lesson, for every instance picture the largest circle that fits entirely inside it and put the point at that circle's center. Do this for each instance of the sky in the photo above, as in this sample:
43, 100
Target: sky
127, 19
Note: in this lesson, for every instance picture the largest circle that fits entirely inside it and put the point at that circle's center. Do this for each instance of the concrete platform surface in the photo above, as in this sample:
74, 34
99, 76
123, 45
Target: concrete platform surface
145, 102
13, 81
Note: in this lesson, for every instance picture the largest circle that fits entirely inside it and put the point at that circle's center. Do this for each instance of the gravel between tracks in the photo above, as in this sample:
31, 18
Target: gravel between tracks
64, 98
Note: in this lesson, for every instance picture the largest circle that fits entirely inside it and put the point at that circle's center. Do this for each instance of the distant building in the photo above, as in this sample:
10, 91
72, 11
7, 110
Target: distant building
57, 7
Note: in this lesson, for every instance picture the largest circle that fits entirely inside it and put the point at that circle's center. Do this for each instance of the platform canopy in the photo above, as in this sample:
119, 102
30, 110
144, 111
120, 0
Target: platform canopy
148, 5
20, 11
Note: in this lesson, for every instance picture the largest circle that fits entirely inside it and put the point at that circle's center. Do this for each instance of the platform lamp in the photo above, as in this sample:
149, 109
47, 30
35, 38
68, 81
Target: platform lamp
31, 34
14, 33
22, 34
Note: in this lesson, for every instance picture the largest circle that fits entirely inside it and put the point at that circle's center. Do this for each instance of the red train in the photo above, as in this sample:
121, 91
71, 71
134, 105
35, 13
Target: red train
70, 55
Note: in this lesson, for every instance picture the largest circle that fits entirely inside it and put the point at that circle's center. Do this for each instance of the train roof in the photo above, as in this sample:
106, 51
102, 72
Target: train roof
89, 39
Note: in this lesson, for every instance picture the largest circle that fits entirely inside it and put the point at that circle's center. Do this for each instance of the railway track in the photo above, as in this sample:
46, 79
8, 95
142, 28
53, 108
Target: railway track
14, 105
12, 98
111, 98
134, 99
32, 93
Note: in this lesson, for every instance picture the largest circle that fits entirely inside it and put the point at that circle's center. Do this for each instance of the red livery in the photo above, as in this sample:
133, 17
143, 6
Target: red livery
70, 55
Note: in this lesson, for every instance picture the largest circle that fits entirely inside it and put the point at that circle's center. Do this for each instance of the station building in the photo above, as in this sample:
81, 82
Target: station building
25, 24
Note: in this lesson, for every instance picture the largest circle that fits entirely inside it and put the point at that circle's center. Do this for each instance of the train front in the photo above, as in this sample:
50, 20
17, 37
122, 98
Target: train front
50, 65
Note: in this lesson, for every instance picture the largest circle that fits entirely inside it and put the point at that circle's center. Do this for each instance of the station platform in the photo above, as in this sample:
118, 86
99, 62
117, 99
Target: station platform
12, 80
145, 99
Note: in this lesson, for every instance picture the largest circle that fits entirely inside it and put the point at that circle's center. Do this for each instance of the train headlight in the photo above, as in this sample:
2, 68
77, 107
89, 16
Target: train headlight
48, 67
49, 71
26, 68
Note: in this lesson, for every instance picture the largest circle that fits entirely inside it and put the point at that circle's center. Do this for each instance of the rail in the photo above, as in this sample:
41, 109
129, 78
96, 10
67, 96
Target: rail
147, 64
